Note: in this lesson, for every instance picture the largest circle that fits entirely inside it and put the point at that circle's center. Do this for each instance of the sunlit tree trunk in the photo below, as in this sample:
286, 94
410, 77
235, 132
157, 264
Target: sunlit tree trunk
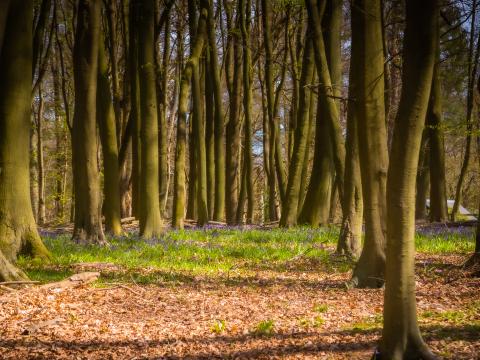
185, 87
18, 231
88, 220
150, 219
219, 207
401, 337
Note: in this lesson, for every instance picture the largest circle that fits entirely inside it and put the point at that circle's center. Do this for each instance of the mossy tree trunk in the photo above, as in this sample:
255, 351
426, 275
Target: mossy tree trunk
401, 337
185, 86
108, 137
88, 220
150, 218
372, 140
18, 231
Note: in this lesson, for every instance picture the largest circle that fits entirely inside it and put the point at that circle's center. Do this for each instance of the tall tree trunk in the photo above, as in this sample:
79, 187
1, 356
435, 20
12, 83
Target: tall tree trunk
401, 337
185, 86
372, 139
150, 219
290, 205
232, 178
108, 137
60, 141
326, 90
88, 220
267, 167
276, 157
162, 116
245, 11
135, 116
219, 208
18, 231
350, 240
423, 178
40, 160
438, 183
209, 133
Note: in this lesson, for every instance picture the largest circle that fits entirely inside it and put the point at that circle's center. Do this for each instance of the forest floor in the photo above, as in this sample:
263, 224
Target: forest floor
231, 293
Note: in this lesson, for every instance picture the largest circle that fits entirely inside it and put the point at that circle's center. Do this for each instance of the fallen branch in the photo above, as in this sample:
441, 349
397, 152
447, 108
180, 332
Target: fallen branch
73, 281
19, 282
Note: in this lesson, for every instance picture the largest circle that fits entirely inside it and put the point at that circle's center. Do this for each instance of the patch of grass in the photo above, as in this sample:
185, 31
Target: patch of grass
180, 255
458, 317
265, 328
445, 243
368, 323
320, 308
218, 327
205, 252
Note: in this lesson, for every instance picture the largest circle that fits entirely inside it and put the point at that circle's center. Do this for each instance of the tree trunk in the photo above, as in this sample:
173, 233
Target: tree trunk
292, 199
423, 178
209, 133
162, 117
276, 157
108, 137
185, 85
245, 11
372, 139
401, 337
219, 208
88, 221
18, 231
350, 240
472, 73
135, 116
150, 218
326, 90
438, 183
232, 178
40, 160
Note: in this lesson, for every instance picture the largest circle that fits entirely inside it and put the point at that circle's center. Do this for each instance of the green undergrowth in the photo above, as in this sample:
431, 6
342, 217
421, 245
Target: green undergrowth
180, 256
445, 243
195, 252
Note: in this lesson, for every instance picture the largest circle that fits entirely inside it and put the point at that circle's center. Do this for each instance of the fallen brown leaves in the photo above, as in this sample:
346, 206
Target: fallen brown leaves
314, 316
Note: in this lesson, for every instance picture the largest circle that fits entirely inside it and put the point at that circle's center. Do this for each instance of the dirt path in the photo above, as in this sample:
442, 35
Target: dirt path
312, 315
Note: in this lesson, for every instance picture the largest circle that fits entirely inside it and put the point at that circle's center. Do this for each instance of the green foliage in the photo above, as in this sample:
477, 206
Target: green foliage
445, 243
368, 323
320, 308
265, 328
218, 327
